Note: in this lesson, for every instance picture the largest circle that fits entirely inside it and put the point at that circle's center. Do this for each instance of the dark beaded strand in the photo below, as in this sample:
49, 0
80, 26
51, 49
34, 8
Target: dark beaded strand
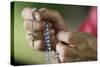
48, 45
47, 42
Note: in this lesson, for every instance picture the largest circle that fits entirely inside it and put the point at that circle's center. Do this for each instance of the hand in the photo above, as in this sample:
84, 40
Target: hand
71, 46
76, 46
36, 20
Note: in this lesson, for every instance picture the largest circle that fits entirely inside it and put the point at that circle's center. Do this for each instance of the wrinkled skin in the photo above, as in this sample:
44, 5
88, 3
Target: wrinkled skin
53, 18
75, 46
71, 46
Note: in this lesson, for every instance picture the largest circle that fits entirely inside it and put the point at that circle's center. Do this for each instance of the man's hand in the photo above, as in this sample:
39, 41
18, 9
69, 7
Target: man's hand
71, 46
76, 46
37, 19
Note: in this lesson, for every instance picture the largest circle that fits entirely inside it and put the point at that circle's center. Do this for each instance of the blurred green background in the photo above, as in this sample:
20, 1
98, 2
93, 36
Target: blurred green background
21, 54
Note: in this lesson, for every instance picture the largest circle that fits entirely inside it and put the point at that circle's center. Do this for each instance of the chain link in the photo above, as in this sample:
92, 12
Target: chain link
47, 42
48, 45
48, 50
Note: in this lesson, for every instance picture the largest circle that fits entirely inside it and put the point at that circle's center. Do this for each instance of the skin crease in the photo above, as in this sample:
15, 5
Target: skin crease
55, 24
69, 45
80, 46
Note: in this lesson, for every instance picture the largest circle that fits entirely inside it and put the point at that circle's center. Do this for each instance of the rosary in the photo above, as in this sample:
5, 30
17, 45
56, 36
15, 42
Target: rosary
48, 45
48, 51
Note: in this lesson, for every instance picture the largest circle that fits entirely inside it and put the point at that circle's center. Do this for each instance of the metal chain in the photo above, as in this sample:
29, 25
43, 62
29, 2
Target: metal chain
47, 43
57, 58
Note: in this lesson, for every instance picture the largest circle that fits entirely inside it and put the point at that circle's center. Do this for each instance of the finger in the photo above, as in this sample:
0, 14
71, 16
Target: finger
53, 42
39, 45
27, 13
83, 46
45, 14
31, 25
30, 40
34, 41
67, 54
55, 19
64, 37
61, 49
53, 39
